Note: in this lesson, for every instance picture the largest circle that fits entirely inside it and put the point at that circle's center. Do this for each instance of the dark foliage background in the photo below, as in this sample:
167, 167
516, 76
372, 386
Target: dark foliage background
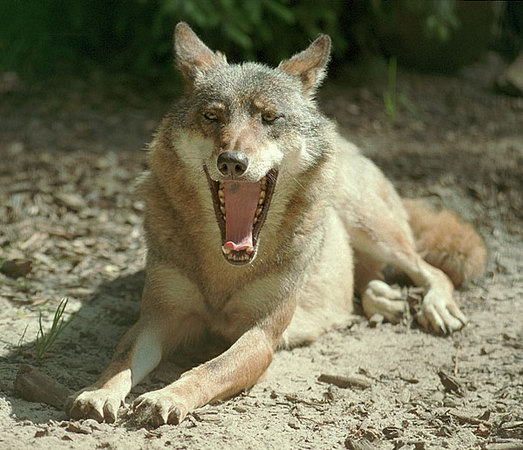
43, 37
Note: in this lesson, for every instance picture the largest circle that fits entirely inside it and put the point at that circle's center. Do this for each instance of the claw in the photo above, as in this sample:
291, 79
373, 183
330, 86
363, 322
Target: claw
94, 413
380, 298
110, 413
440, 314
422, 320
175, 416
157, 409
97, 404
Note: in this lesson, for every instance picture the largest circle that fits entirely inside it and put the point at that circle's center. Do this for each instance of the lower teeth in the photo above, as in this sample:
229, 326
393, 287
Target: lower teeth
235, 257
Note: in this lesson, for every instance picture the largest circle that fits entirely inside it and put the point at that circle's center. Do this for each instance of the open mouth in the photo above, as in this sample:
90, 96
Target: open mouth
241, 209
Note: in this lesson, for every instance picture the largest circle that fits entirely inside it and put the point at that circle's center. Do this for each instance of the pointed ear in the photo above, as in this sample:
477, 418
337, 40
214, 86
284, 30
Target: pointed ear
310, 64
191, 54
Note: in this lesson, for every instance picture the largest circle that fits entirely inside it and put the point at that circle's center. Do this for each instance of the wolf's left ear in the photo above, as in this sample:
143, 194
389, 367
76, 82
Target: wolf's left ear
192, 55
310, 64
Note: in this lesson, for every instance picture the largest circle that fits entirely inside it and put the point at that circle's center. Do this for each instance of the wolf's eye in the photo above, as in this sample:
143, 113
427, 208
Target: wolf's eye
211, 116
269, 117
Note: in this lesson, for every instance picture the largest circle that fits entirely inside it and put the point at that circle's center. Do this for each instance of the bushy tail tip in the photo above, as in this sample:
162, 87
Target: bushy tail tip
446, 241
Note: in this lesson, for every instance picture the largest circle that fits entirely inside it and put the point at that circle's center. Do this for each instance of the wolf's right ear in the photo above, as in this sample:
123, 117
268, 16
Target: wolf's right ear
309, 65
192, 55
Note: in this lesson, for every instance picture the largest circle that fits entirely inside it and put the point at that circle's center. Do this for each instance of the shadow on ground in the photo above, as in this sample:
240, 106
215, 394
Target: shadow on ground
86, 346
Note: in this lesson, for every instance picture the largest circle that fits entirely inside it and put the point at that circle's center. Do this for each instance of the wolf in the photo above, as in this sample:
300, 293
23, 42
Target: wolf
261, 221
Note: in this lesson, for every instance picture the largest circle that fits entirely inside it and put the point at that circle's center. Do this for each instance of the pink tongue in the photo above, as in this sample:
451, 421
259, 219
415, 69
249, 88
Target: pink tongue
241, 201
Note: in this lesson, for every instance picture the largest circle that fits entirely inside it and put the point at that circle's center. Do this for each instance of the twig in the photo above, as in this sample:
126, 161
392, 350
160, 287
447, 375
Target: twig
315, 404
469, 419
345, 381
36, 386
456, 360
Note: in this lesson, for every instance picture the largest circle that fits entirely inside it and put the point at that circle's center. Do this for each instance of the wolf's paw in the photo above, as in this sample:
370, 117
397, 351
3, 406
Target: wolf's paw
98, 404
440, 313
160, 407
380, 298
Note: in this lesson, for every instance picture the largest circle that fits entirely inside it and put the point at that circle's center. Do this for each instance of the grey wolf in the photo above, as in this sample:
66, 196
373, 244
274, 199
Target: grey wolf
261, 222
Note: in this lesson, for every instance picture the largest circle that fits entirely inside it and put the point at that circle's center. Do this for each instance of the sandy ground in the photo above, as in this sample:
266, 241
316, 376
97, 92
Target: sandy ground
70, 152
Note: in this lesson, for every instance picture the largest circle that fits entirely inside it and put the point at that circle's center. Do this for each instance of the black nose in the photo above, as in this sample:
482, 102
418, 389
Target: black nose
232, 163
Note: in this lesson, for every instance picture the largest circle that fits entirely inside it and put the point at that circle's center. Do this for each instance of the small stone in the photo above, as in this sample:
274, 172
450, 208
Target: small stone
72, 201
404, 396
293, 424
438, 397
76, 427
41, 433
391, 432
361, 444
240, 409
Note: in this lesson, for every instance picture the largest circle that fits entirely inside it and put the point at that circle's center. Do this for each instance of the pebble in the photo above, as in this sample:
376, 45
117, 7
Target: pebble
294, 424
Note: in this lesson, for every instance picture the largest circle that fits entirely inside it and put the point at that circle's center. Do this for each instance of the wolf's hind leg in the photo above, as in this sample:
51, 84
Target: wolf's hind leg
380, 298
377, 297
387, 241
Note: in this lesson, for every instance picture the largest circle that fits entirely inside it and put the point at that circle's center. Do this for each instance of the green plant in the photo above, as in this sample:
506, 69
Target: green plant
391, 98
47, 36
45, 340
22, 337
438, 18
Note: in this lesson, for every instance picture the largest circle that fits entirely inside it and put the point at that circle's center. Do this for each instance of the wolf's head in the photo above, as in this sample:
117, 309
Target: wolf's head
246, 125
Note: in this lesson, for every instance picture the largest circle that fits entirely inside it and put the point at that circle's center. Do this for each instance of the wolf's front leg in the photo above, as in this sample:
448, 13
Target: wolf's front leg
238, 368
391, 245
167, 317
139, 352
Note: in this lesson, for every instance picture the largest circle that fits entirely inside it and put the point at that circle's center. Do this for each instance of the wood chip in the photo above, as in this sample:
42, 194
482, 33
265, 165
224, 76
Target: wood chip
72, 201
42, 433
505, 446
346, 381
451, 383
16, 268
361, 444
35, 386
391, 432
464, 418
77, 427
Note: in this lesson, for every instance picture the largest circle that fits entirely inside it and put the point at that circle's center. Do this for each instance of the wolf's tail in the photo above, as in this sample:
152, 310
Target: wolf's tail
446, 241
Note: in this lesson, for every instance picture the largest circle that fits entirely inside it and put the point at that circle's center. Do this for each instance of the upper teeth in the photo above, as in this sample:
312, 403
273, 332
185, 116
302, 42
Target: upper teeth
261, 200
221, 198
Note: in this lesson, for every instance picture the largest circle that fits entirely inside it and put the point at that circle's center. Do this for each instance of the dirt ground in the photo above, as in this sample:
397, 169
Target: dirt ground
70, 153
